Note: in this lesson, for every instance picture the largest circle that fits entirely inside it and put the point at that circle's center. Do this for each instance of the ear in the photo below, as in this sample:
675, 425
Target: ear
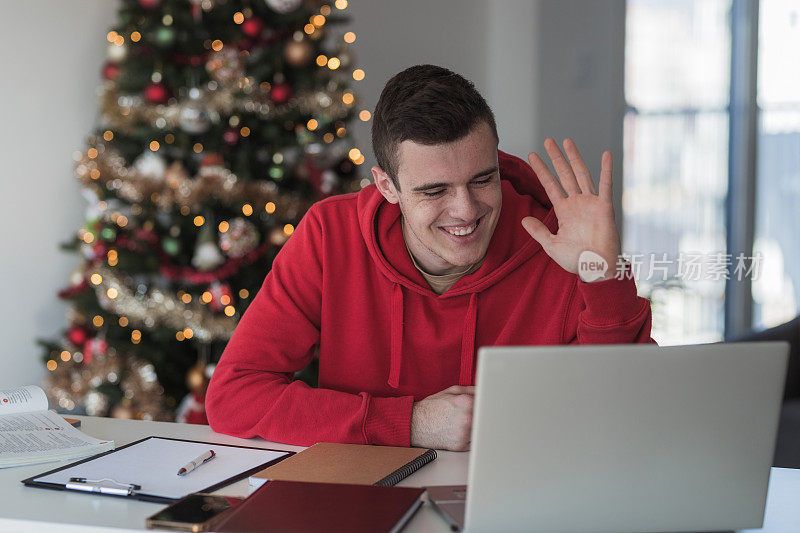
385, 185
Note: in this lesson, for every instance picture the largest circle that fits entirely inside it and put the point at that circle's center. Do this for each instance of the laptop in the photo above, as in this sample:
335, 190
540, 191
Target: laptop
633, 438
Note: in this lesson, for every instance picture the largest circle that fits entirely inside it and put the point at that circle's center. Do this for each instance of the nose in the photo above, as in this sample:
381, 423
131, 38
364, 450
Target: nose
463, 205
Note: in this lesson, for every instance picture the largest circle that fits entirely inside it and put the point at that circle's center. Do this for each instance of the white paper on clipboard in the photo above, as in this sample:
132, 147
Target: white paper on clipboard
154, 462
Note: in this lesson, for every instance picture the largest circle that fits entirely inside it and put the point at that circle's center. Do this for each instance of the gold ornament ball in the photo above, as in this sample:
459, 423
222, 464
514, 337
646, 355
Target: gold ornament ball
123, 411
196, 380
298, 53
277, 237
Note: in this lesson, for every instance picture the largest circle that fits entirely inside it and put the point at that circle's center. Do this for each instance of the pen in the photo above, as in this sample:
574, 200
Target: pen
102, 486
206, 457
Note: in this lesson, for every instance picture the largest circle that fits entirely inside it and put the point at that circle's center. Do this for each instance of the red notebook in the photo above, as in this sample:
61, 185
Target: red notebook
301, 507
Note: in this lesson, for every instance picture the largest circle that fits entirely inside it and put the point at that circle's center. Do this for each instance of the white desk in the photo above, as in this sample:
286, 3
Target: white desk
29, 509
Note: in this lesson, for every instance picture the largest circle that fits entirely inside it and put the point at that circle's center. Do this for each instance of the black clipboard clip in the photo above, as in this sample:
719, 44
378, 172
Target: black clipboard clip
103, 486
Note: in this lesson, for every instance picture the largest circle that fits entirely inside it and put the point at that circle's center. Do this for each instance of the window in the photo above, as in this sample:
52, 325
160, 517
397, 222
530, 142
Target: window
677, 63
777, 220
678, 134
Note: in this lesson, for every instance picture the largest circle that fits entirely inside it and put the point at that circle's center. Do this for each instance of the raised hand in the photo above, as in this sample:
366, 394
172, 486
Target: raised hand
585, 217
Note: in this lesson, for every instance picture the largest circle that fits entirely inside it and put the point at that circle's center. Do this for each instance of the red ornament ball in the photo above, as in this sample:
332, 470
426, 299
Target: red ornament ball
78, 335
230, 136
156, 93
149, 4
110, 71
280, 93
252, 27
212, 159
94, 346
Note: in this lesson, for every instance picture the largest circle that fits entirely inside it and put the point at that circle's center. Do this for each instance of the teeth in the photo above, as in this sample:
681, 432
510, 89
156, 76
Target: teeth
460, 232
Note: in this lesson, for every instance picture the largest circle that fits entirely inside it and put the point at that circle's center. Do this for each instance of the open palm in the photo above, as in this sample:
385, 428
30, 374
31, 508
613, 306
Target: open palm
585, 216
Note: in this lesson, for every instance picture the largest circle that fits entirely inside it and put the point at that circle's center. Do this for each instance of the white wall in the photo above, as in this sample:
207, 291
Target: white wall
581, 50
490, 42
393, 35
51, 53
547, 68
514, 77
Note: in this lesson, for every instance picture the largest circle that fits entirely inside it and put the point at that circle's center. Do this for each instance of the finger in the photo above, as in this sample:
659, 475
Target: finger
551, 185
606, 184
562, 167
538, 231
581, 170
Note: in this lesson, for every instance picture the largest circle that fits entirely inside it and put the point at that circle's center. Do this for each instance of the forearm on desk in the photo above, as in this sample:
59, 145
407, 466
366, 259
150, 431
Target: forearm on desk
269, 405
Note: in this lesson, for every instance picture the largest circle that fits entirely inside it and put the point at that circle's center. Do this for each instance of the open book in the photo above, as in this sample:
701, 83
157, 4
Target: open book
31, 434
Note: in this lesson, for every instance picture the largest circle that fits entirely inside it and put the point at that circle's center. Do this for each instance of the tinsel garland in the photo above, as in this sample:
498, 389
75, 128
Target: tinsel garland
161, 309
121, 111
183, 274
109, 168
193, 276
74, 383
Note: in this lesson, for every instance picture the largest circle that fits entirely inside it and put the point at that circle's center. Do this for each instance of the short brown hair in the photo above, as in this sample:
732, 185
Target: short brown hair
426, 104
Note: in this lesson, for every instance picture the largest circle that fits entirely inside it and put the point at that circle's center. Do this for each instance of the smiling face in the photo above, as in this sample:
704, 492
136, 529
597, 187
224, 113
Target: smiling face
450, 199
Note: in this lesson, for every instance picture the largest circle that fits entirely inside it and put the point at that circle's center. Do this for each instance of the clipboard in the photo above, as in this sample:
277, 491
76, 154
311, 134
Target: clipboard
147, 469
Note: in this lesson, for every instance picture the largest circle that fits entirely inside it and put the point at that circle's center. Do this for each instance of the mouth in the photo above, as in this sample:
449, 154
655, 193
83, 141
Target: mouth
462, 231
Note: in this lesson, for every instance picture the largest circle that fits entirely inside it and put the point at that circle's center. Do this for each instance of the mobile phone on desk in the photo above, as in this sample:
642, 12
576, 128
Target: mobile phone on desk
195, 512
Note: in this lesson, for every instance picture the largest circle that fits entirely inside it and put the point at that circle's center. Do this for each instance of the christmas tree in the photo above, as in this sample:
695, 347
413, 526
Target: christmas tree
221, 122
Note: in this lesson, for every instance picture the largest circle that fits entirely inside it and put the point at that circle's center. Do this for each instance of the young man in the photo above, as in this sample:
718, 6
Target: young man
456, 245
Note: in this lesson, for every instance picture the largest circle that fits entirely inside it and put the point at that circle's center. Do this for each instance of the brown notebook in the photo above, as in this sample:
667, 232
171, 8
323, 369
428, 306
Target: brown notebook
357, 464
297, 507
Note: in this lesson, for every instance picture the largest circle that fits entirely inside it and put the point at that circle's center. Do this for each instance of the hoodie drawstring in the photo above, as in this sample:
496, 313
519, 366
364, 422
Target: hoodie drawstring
468, 341
396, 350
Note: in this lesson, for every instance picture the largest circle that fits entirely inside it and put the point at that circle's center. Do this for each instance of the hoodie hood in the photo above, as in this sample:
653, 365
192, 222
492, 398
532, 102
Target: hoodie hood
510, 246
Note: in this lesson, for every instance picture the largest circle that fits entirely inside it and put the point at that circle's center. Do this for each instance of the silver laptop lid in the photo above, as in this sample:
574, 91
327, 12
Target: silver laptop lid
624, 438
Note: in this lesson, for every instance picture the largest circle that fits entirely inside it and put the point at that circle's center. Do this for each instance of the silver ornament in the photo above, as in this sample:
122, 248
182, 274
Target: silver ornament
150, 165
284, 6
194, 117
207, 257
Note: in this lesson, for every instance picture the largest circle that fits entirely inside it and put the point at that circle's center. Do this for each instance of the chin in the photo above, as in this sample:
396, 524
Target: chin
466, 259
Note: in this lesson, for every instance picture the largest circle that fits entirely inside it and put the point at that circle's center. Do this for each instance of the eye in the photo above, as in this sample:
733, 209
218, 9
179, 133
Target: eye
484, 181
432, 194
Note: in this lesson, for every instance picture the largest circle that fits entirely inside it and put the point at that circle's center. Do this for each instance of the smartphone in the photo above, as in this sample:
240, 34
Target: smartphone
195, 512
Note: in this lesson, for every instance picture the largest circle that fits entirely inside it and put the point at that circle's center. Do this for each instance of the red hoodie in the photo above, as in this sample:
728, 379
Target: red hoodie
344, 285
